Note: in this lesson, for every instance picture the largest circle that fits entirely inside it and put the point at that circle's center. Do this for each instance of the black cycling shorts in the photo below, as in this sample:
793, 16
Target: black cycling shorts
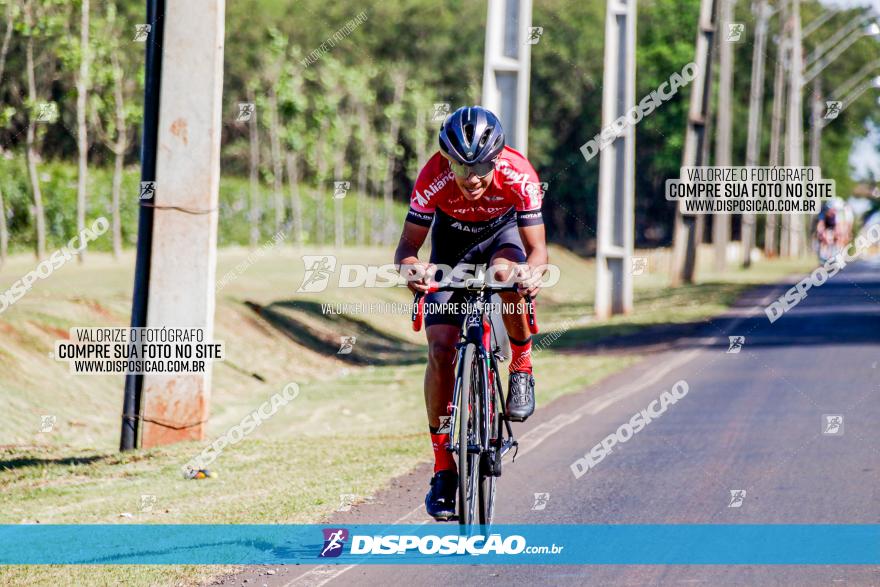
455, 242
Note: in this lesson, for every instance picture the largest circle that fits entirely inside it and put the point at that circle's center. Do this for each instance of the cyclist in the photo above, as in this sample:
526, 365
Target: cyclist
481, 201
828, 233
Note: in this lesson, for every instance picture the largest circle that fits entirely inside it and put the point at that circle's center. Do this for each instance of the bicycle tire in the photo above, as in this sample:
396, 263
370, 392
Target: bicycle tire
468, 412
488, 481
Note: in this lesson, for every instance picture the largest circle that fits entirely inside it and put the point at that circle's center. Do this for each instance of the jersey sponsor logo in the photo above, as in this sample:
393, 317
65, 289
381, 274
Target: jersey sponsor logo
529, 191
437, 184
490, 210
464, 227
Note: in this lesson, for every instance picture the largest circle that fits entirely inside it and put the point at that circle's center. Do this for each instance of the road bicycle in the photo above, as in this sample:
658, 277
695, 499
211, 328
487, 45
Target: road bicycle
826, 245
477, 409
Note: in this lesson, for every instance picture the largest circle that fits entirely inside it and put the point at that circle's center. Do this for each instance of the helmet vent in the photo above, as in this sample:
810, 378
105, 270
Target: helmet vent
469, 132
485, 138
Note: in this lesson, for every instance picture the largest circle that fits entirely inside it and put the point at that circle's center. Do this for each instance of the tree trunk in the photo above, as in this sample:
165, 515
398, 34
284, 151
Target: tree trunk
254, 205
4, 51
118, 149
366, 152
393, 132
421, 139
31, 140
339, 175
322, 183
4, 232
277, 162
295, 201
82, 137
7, 36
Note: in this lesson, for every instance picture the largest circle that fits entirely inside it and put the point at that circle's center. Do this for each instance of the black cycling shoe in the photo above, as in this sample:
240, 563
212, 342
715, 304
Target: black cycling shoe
440, 501
520, 396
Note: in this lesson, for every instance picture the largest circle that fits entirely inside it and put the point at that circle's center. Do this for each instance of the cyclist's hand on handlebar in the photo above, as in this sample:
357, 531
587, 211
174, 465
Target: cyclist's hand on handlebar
418, 276
529, 280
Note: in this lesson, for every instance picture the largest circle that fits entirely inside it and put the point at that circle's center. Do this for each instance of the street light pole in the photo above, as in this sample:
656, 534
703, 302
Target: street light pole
616, 214
686, 237
794, 152
723, 137
756, 103
779, 88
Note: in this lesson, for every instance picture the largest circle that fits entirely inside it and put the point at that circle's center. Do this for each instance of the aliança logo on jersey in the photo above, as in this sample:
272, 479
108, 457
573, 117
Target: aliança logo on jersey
435, 186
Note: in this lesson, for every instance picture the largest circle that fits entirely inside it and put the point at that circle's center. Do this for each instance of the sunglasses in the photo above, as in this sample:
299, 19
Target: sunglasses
479, 169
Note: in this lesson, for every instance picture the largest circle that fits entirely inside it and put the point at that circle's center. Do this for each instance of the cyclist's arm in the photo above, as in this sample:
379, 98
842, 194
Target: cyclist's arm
407, 254
535, 242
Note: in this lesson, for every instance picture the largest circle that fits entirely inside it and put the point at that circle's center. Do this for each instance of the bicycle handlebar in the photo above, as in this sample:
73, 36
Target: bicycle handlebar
418, 312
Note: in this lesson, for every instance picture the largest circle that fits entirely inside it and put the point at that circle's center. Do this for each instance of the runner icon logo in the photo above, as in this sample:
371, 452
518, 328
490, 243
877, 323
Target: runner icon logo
832, 424
334, 540
318, 269
541, 500
736, 344
737, 496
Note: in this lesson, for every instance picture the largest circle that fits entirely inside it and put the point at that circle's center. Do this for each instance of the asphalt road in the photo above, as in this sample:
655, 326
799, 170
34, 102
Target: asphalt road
751, 421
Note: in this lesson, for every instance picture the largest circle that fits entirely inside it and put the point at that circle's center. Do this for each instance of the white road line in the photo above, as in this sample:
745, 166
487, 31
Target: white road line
598, 404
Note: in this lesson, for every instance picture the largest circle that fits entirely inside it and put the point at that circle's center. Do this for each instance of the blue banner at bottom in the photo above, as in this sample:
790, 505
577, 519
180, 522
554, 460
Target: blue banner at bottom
682, 544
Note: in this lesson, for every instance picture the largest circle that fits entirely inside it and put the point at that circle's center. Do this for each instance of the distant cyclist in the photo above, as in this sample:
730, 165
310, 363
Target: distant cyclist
829, 235
481, 201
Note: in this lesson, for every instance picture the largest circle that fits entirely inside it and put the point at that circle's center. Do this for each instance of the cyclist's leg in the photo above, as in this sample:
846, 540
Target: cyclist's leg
439, 382
506, 253
440, 373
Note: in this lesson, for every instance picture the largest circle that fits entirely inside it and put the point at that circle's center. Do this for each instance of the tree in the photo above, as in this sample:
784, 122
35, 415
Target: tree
38, 21
292, 105
394, 113
4, 118
82, 137
255, 208
112, 108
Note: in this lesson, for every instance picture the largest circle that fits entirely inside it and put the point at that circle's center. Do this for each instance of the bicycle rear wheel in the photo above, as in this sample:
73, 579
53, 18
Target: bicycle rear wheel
468, 435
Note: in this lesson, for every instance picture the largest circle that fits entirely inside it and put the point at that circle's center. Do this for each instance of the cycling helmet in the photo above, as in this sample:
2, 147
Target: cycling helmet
471, 135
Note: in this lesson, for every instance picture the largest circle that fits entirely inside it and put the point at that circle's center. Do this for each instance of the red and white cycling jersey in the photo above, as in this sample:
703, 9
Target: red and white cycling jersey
514, 185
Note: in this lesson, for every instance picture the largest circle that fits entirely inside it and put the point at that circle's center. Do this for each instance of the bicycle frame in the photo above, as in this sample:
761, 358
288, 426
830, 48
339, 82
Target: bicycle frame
477, 330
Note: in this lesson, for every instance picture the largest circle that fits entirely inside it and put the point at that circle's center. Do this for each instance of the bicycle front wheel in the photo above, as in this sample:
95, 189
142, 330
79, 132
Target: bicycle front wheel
468, 435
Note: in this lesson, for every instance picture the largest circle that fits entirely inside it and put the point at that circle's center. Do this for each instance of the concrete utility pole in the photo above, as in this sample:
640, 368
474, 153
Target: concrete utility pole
779, 87
686, 237
507, 67
816, 109
616, 214
756, 105
182, 275
794, 132
723, 139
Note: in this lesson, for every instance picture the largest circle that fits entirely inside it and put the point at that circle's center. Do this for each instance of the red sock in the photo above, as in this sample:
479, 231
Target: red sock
443, 460
522, 355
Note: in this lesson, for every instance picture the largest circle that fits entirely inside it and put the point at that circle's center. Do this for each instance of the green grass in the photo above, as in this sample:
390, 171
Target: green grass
58, 181
355, 424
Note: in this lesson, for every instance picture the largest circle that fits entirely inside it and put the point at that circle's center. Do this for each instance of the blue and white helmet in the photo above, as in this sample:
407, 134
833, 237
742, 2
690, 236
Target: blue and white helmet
471, 135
